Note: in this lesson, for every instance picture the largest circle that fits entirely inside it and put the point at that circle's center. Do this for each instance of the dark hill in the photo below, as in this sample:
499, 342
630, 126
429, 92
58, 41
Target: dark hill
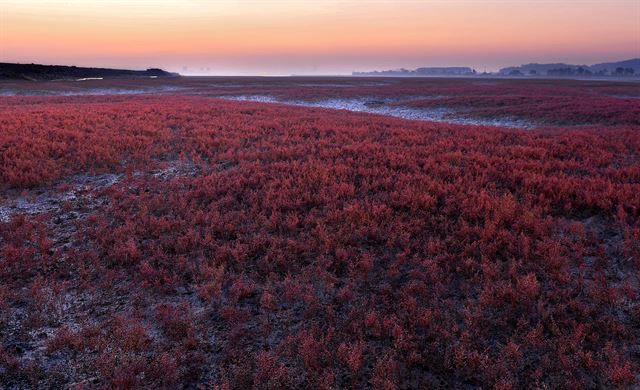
10, 71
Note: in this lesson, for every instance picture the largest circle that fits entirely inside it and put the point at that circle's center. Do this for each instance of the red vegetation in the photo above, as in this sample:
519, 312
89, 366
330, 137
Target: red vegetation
549, 109
541, 102
265, 246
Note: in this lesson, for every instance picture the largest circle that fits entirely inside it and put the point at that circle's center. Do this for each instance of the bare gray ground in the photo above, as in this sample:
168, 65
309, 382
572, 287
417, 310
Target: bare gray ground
90, 91
381, 107
48, 200
22, 329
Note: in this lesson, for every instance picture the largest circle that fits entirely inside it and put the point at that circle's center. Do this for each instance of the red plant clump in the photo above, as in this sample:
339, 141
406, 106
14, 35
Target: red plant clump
246, 245
42, 142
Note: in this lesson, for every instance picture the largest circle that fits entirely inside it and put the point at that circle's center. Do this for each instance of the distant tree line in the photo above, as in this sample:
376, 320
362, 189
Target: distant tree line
580, 71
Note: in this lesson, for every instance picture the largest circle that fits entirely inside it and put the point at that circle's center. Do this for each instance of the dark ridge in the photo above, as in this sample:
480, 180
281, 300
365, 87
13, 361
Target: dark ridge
35, 72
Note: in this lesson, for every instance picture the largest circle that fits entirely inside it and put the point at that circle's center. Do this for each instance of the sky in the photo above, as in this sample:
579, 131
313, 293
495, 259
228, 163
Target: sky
282, 37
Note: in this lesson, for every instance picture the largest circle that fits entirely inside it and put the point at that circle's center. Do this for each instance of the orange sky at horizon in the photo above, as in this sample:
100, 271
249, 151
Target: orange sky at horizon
307, 37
